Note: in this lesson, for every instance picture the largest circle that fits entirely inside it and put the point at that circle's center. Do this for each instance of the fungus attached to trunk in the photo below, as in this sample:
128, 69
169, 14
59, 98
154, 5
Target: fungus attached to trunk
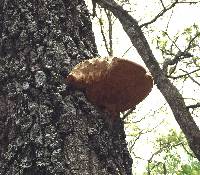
113, 84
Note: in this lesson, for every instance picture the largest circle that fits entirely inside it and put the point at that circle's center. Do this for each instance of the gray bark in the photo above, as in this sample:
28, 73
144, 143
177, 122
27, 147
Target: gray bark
169, 91
45, 126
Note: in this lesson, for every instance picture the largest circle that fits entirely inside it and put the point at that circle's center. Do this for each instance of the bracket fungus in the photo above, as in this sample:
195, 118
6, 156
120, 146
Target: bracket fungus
111, 83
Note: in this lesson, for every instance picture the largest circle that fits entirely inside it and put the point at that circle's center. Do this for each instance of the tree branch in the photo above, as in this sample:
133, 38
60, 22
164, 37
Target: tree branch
192, 40
128, 113
110, 31
169, 91
103, 34
180, 54
191, 77
165, 9
162, 4
193, 106
178, 57
180, 76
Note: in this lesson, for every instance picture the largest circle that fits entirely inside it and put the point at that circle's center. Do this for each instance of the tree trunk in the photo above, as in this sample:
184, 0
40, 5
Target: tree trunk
45, 126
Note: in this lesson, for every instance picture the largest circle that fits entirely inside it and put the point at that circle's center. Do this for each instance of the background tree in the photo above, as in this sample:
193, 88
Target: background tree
167, 88
45, 126
171, 153
178, 52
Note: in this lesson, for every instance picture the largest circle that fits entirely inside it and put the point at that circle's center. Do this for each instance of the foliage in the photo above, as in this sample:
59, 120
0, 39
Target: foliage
172, 156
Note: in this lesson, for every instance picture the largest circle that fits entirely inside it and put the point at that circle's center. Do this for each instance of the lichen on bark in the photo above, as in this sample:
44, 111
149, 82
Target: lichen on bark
46, 126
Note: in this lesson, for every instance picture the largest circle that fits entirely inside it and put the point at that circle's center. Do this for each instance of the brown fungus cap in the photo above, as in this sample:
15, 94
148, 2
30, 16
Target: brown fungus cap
112, 83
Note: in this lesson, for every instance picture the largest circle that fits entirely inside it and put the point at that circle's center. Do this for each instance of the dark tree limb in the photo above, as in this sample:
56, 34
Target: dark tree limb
110, 31
184, 75
103, 35
191, 77
177, 58
194, 106
169, 91
180, 55
164, 10
192, 40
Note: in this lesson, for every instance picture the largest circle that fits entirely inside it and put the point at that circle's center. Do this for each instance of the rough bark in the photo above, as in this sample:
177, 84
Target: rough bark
46, 127
169, 91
